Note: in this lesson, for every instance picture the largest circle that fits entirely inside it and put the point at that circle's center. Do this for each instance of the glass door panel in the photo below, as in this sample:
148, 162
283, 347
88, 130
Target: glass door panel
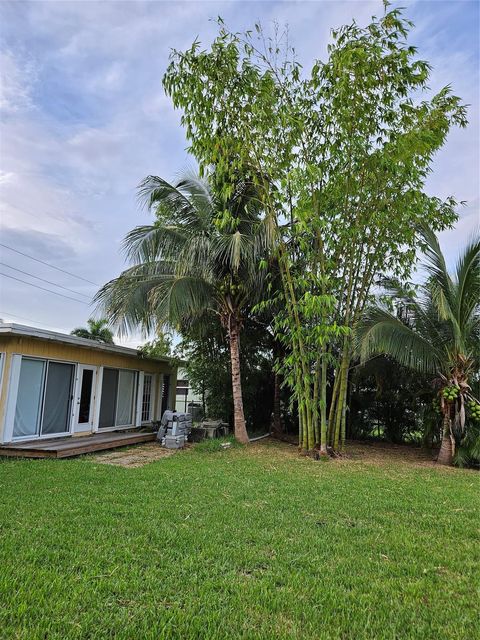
85, 396
29, 398
58, 398
126, 390
109, 398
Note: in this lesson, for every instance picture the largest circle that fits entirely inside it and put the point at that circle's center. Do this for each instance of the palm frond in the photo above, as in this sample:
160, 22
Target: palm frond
233, 250
179, 299
180, 260
468, 282
440, 282
381, 332
126, 299
151, 242
185, 204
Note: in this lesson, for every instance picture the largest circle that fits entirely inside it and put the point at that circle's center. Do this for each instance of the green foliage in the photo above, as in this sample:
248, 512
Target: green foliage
207, 358
391, 402
183, 265
161, 346
187, 267
97, 330
435, 331
468, 452
215, 445
338, 154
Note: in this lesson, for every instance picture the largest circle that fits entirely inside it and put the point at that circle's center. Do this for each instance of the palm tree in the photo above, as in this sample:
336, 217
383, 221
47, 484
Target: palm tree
97, 330
436, 331
199, 257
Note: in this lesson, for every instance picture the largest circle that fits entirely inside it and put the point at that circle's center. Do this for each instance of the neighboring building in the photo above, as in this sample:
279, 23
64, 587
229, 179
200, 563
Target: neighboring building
52, 384
186, 400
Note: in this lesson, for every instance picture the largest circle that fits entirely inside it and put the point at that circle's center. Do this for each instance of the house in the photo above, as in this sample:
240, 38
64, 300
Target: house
186, 400
54, 385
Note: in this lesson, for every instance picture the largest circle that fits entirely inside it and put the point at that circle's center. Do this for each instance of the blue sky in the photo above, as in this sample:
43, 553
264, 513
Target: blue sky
84, 119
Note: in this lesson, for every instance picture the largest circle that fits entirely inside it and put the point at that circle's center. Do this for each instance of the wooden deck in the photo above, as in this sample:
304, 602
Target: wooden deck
74, 446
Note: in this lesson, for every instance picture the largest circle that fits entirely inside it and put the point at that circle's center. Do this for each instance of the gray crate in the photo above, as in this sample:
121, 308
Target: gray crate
173, 442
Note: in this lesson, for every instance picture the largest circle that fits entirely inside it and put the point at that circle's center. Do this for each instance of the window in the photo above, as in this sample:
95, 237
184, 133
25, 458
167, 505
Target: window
44, 398
147, 398
117, 400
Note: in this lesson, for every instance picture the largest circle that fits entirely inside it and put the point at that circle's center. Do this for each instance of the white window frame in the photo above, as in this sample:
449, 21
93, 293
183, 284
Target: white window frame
77, 393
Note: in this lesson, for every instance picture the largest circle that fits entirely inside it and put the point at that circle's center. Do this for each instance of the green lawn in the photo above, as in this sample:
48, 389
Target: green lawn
256, 543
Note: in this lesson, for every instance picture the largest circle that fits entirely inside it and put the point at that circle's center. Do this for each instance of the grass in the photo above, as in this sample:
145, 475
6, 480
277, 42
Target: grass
253, 543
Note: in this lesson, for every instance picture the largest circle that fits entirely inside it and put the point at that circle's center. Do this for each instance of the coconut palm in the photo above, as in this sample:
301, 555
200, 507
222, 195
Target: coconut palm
97, 330
199, 257
436, 331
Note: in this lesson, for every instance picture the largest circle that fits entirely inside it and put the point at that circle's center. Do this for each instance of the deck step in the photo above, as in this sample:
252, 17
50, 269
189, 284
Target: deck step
71, 446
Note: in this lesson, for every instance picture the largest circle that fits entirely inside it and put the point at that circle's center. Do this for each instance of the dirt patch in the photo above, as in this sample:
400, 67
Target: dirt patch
137, 456
375, 453
386, 453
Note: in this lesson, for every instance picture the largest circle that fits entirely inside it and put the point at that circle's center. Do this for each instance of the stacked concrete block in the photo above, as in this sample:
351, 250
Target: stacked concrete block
175, 429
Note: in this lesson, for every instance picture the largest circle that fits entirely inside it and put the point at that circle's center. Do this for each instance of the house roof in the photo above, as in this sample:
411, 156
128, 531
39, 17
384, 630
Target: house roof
12, 329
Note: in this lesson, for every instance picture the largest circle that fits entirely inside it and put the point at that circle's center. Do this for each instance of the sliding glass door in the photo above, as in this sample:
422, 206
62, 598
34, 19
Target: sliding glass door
118, 398
44, 398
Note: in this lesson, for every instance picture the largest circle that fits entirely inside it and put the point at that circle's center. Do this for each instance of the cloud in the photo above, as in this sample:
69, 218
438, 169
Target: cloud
85, 116
30, 196
39, 244
17, 80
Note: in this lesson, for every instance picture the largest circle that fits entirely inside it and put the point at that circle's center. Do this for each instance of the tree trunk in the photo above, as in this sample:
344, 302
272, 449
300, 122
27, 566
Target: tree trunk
277, 414
238, 416
323, 407
447, 448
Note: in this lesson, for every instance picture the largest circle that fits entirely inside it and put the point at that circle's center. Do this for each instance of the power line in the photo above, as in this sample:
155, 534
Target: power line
13, 315
37, 286
3, 264
48, 265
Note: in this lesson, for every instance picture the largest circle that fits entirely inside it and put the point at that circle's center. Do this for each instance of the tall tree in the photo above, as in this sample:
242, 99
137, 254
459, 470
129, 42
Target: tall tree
436, 331
160, 346
97, 330
200, 256
339, 155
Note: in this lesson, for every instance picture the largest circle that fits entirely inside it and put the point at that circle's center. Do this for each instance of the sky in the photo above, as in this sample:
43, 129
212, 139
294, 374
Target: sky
84, 118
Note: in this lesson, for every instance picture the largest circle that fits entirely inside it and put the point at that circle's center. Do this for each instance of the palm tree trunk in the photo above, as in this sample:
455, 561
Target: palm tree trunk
238, 416
447, 448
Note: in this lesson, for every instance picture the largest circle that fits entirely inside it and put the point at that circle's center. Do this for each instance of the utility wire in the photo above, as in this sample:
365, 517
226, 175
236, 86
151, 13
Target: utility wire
13, 315
48, 265
3, 264
43, 288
